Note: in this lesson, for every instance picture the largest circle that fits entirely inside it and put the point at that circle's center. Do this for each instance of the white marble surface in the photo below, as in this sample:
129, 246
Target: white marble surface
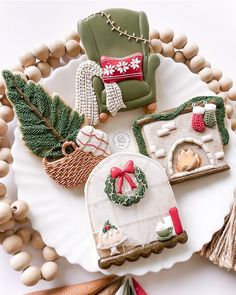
211, 24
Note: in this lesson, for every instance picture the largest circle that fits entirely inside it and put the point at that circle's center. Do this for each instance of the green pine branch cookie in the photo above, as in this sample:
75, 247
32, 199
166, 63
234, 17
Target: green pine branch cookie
46, 122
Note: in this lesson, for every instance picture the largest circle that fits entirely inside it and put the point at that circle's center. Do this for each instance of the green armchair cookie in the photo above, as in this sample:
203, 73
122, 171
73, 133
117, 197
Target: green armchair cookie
123, 78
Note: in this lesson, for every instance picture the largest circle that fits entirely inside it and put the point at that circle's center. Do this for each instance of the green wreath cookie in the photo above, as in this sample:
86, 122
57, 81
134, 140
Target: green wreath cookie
114, 183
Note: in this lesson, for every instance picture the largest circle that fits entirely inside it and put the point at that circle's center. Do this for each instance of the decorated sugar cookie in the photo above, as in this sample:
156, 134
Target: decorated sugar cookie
119, 74
54, 132
187, 141
132, 209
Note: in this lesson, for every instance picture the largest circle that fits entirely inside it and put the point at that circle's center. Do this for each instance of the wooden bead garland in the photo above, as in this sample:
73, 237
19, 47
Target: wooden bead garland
167, 35
72, 48
45, 68
57, 49
20, 260
27, 59
19, 210
41, 52
33, 73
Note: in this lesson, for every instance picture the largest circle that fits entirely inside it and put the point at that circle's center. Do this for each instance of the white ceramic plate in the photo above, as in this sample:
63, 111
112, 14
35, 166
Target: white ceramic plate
60, 214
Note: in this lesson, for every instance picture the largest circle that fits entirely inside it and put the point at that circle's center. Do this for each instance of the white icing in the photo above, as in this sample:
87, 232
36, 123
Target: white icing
210, 107
163, 132
170, 125
198, 110
152, 149
219, 155
160, 153
207, 138
185, 173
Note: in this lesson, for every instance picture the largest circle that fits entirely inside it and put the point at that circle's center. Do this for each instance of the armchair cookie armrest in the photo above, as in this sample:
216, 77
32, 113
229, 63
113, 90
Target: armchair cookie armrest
152, 63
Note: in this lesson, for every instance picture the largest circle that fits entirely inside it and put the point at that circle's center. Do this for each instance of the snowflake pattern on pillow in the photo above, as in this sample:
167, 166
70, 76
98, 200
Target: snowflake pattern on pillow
120, 69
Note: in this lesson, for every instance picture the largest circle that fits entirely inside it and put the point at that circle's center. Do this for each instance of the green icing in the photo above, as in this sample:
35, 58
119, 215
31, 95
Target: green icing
220, 114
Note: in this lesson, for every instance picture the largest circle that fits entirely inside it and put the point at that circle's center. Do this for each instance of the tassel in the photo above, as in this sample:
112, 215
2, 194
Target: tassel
128, 290
138, 289
222, 248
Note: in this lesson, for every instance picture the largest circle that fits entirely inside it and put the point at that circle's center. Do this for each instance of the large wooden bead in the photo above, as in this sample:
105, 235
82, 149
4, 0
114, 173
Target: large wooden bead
54, 62
73, 35
190, 50
49, 271
156, 45
72, 48
166, 35
23, 220
31, 276
154, 34
197, 63
7, 225
4, 168
19, 209
214, 86
206, 74
57, 49
44, 68
217, 73
3, 189
4, 142
2, 87
27, 59
17, 68
229, 110
20, 261
5, 101
225, 83
5, 213
5, 155
3, 127
6, 113
33, 73
232, 93
25, 233
179, 57
167, 50
12, 244
37, 242
41, 52
233, 124
49, 254
179, 41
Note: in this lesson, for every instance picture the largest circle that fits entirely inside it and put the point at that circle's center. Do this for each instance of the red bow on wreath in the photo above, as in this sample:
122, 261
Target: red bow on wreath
121, 174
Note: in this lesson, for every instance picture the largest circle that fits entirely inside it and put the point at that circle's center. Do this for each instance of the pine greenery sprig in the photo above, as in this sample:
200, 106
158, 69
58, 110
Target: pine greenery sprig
46, 122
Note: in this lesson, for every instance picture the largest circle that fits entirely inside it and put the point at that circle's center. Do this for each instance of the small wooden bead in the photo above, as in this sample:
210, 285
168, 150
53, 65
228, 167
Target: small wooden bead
229, 110
5, 101
179, 57
19, 209
3, 127
20, 261
5, 213
23, 220
7, 225
156, 45
225, 83
31, 276
167, 35
4, 142
49, 271
217, 74
72, 48
44, 68
233, 124
17, 68
25, 233
232, 93
5, 155
54, 62
2, 88
4, 168
12, 244
6, 113
190, 50
197, 63
223, 95
167, 50
5, 234
73, 35
57, 49
33, 73
49, 254
206, 74
27, 59
214, 86
41, 52
3, 189
154, 34
179, 41
36, 241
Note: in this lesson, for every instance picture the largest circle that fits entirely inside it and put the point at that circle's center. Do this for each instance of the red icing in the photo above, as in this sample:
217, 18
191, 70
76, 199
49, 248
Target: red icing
121, 174
176, 220
138, 289
120, 69
198, 122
